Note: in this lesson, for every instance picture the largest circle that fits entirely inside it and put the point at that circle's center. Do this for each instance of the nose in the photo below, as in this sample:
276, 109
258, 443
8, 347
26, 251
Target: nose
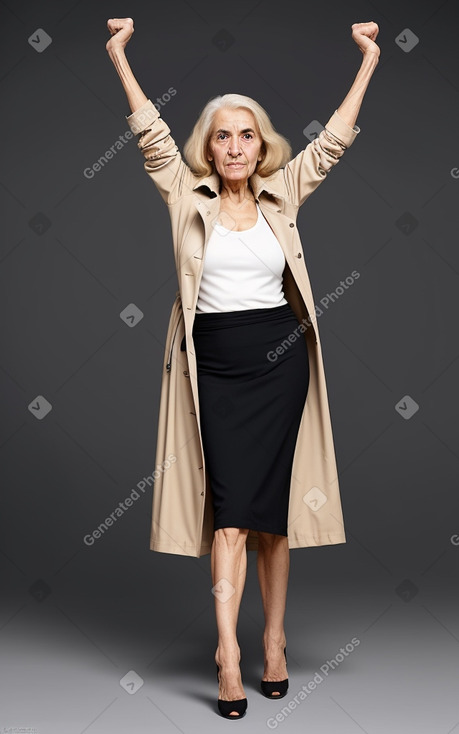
234, 147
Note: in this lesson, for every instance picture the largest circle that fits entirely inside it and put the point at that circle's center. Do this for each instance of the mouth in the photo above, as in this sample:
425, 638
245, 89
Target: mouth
235, 165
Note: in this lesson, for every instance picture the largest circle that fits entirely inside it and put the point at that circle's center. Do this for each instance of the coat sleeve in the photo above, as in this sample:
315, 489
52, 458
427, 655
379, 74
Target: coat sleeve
163, 160
304, 173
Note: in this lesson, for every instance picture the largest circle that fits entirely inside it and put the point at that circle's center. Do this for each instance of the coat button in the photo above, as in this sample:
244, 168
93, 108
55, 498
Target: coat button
291, 224
202, 494
186, 373
299, 254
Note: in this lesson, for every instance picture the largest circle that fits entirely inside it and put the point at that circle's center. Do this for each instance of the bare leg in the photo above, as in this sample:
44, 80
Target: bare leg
273, 564
228, 567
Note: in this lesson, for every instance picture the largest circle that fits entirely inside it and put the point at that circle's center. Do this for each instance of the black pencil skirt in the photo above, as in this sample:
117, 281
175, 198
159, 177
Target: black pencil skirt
252, 382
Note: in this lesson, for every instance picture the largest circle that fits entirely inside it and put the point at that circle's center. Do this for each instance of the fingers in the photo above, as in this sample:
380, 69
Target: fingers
116, 24
370, 22
369, 29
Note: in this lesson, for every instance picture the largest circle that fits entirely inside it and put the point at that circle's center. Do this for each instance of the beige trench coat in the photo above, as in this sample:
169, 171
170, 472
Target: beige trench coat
182, 514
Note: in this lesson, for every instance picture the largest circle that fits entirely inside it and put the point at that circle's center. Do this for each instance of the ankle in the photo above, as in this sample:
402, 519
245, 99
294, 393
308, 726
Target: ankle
228, 654
274, 640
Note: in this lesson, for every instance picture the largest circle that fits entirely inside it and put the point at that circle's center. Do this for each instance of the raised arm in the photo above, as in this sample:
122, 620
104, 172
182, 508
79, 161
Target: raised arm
309, 168
121, 30
163, 163
364, 35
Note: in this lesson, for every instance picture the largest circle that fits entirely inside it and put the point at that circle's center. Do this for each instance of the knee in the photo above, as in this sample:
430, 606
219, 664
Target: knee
268, 540
231, 536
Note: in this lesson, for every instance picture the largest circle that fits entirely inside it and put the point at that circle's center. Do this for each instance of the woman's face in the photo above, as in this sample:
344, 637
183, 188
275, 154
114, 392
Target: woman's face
234, 144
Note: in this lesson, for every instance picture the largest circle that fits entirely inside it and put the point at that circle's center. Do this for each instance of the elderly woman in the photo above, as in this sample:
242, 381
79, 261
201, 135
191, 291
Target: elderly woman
244, 419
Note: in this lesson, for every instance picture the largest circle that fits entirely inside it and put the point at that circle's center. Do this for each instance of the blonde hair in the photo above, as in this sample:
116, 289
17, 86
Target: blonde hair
276, 150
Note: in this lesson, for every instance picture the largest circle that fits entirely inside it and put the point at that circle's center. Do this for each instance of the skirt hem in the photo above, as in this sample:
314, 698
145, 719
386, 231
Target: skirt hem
245, 526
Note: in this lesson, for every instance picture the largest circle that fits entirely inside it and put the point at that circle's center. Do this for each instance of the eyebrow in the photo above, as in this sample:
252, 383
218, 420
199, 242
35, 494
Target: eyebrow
246, 130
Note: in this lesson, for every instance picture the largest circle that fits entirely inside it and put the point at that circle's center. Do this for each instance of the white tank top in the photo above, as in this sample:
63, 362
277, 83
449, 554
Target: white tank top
242, 270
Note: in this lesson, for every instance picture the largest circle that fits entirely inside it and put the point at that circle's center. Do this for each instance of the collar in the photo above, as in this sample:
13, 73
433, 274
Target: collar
272, 184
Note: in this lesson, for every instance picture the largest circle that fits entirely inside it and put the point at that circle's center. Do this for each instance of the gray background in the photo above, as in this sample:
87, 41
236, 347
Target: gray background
74, 619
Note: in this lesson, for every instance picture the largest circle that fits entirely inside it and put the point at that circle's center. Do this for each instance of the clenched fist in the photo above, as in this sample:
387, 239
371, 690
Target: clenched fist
364, 35
121, 30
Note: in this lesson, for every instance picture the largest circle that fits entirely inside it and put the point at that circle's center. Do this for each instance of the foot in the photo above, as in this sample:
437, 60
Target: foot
230, 686
274, 660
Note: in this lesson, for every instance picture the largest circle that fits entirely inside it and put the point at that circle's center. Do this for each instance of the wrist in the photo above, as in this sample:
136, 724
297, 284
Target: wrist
371, 55
115, 51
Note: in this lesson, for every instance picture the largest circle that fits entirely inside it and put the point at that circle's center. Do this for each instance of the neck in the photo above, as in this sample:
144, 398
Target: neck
237, 193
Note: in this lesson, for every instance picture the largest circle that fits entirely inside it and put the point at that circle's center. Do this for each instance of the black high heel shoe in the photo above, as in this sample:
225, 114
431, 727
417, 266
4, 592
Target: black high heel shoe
225, 707
268, 687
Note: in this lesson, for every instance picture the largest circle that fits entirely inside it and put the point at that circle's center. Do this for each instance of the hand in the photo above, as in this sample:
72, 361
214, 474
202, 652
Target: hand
121, 30
364, 35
